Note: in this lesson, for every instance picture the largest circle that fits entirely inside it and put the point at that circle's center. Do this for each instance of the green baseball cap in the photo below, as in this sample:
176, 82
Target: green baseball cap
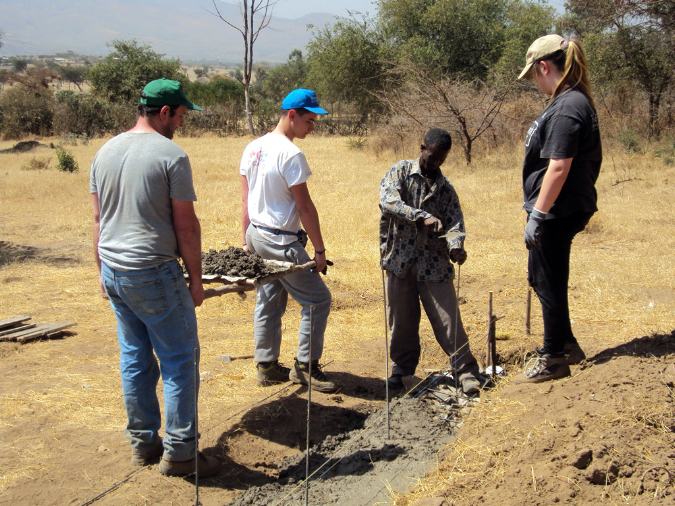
166, 92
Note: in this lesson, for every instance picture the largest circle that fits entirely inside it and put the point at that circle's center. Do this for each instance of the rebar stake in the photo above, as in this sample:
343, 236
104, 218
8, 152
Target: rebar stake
492, 341
309, 401
386, 349
454, 367
196, 389
528, 311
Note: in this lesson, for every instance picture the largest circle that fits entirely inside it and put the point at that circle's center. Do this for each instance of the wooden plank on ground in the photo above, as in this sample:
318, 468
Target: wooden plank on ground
18, 329
36, 332
11, 322
50, 329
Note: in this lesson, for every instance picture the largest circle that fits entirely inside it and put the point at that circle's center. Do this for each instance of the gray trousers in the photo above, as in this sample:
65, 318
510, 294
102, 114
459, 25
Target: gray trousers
308, 290
440, 305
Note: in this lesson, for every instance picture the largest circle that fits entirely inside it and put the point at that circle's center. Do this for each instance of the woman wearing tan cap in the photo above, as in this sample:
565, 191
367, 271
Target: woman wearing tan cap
563, 155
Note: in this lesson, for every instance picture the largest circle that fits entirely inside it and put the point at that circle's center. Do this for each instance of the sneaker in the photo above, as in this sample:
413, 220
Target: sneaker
145, 459
320, 382
271, 373
470, 385
544, 368
208, 466
395, 382
573, 353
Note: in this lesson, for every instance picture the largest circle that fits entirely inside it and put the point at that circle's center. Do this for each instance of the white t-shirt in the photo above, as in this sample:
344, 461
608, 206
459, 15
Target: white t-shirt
272, 164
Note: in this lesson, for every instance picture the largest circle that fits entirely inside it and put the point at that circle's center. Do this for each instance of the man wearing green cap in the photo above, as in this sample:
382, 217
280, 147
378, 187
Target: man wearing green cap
142, 195
275, 205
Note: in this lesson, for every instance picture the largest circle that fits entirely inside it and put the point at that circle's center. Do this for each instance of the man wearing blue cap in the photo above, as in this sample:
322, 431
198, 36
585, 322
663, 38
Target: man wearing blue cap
142, 195
275, 205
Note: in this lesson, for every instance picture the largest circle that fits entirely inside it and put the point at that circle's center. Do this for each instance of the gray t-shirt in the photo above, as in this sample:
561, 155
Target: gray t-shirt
136, 175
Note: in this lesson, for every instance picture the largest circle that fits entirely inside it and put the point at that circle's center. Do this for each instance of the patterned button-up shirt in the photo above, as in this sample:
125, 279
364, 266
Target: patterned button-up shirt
406, 200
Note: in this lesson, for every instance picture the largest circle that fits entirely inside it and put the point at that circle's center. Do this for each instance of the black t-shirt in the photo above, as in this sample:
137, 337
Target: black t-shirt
568, 128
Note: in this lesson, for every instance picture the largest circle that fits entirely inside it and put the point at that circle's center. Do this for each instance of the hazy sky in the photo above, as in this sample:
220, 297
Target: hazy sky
296, 8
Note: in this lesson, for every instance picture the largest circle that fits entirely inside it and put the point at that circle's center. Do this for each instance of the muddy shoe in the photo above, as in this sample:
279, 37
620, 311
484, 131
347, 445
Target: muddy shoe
145, 459
395, 382
471, 385
574, 354
271, 373
320, 382
208, 466
544, 368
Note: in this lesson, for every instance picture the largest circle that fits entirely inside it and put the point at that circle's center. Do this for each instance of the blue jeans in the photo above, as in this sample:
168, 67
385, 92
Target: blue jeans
155, 312
307, 288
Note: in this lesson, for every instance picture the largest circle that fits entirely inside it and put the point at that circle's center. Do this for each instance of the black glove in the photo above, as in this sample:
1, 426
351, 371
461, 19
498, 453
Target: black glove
458, 255
533, 229
325, 269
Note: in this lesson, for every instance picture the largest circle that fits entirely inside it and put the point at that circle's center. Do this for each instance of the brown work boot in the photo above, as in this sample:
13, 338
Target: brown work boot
574, 354
147, 458
544, 368
320, 382
208, 466
271, 373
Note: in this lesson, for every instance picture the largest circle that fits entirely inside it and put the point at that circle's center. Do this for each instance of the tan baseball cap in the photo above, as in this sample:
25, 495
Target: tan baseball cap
540, 49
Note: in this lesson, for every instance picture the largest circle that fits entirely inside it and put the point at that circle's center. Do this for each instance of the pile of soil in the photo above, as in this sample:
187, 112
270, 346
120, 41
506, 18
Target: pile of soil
234, 262
605, 435
24, 146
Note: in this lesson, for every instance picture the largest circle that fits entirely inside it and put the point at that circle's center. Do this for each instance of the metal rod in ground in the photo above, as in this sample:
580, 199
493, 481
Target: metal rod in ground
386, 349
196, 400
309, 401
454, 366
491, 338
528, 311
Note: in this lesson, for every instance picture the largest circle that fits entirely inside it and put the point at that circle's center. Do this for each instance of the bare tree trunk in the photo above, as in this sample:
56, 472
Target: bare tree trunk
249, 112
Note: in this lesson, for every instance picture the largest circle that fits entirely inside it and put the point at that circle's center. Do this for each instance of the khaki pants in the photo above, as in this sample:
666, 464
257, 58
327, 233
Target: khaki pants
440, 305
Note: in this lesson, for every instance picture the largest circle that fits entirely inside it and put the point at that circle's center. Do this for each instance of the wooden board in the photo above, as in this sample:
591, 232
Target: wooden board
12, 322
37, 332
17, 329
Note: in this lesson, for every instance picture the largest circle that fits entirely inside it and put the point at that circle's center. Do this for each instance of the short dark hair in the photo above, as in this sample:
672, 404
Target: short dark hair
439, 138
301, 111
153, 110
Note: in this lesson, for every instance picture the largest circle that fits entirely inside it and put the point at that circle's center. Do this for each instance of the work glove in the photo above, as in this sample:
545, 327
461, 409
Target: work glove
325, 269
458, 255
533, 229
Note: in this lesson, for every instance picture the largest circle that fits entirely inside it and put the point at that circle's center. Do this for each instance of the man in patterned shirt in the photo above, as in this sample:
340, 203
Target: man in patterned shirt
419, 206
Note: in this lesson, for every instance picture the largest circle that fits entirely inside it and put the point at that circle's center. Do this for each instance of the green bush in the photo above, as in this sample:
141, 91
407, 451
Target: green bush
631, 142
86, 117
67, 162
23, 112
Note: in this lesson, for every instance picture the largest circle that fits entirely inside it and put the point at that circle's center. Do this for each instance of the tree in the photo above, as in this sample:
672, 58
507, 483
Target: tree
432, 99
250, 10
20, 64
347, 64
75, 74
279, 81
121, 76
629, 41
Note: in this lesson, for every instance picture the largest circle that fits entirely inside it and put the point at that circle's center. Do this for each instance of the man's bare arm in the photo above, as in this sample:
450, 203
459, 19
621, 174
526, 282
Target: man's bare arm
97, 229
245, 220
310, 220
189, 237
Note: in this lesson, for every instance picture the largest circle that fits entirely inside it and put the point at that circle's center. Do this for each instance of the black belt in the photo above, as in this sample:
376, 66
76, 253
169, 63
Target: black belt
276, 231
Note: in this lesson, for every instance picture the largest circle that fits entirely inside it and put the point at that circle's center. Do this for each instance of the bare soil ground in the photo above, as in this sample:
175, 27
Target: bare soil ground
604, 435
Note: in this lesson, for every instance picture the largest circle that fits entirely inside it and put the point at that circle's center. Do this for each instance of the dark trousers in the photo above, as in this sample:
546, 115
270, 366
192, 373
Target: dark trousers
440, 304
548, 274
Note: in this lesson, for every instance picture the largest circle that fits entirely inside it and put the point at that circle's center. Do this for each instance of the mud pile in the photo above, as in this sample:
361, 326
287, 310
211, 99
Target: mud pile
234, 262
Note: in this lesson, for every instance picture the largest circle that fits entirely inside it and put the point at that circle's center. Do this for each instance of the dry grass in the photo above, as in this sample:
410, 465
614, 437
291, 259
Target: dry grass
622, 283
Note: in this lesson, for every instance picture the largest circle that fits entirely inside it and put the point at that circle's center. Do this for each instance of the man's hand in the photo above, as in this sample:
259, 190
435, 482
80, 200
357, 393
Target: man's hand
533, 229
103, 292
320, 259
458, 255
245, 248
197, 293
434, 223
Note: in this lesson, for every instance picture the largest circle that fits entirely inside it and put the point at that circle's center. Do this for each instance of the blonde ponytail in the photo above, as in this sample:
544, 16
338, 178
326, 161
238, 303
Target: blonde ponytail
572, 63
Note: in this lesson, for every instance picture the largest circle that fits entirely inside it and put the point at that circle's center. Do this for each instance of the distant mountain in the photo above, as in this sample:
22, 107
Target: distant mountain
180, 28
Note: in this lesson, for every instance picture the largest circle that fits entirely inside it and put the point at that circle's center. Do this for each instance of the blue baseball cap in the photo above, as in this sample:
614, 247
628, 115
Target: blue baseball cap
302, 99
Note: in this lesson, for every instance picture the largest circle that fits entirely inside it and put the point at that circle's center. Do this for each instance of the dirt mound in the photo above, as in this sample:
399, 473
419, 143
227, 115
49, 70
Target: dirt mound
606, 434
234, 262
362, 466
24, 146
